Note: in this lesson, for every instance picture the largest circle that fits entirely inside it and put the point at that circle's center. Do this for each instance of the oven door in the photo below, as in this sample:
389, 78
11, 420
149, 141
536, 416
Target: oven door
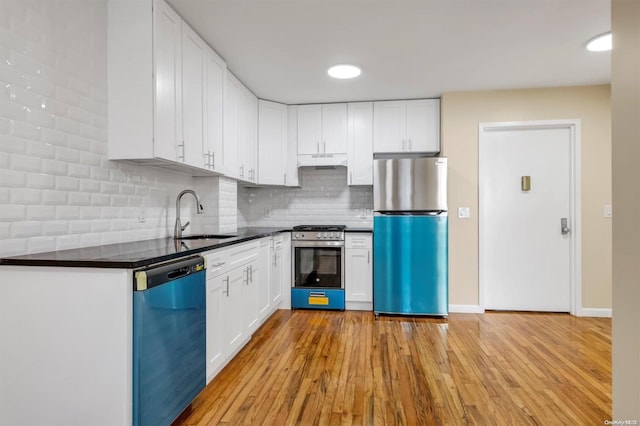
318, 264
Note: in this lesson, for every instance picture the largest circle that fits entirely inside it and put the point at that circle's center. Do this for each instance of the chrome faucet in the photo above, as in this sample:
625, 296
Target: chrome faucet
177, 231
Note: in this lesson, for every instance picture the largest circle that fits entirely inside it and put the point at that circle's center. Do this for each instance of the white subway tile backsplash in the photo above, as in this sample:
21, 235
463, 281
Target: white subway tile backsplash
55, 227
54, 167
36, 83
81, 171
100, 200
13, 178
40, 212
5, 231
67, 212
64, 183
55, 198
53, 137
12, 110
26, 196
26, 229
67, 155
12, 213
12, 144
87, 185
25, 163
41, 244
40, 149
324, 198
79, 199
5, 195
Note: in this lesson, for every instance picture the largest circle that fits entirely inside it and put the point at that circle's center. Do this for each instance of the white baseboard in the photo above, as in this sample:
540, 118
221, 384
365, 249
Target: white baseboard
358, 306
594, 312
466, 309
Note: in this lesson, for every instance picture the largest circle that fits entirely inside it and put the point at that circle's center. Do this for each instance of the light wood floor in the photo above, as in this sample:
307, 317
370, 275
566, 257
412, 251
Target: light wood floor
325, 368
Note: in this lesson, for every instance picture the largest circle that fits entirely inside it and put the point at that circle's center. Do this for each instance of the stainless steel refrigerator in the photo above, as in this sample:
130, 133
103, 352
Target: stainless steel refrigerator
410, 236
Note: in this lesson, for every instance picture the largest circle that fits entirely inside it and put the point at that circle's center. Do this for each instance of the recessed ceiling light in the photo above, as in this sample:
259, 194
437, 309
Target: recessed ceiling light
344, 71
601, 43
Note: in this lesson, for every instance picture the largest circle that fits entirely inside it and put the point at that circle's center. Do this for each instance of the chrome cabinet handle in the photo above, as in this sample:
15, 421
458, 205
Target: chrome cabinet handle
242, 171
251, 272
351, 177
213, 160
227, 280
324, 148
181, 146
318, 147
368, 257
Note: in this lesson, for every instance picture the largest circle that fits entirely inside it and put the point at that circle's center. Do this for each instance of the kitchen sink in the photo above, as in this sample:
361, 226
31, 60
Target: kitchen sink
205, 237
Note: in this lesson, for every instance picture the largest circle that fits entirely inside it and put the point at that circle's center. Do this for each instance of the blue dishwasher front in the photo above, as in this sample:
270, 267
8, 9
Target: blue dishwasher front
169, 346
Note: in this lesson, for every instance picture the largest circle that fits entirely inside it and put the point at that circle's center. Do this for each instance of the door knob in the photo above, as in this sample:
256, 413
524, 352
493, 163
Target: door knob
564, 228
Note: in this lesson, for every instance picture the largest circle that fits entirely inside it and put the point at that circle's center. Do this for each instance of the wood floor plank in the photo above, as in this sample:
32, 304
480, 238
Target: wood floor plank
347, 368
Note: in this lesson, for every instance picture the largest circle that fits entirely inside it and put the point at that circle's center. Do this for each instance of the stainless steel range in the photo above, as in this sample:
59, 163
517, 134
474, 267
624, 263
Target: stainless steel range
318, 267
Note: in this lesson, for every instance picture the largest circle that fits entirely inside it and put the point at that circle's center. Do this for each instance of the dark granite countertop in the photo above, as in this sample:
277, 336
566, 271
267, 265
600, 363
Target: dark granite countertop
358, 230
136, 254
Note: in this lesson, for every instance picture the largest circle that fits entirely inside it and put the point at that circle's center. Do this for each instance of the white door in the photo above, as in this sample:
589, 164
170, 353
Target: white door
525, 255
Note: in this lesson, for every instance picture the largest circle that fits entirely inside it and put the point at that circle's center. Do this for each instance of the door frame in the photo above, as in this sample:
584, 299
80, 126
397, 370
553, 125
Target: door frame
575, 216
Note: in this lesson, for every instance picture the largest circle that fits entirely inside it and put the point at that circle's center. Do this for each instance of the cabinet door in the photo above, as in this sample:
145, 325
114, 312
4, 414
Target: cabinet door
235, 330
291, 178
231, 111
275, 285
214, 112
389, 126
272, 131
244, 108
215, 325
423, 125
309, 129
358, 275
250, 298
334, 129
252, 138
360, 135
193, 96
167, 46
261, 276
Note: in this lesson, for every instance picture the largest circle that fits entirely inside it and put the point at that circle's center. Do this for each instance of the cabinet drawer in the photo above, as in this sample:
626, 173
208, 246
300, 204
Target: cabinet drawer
216, 262
358, 241
243, 253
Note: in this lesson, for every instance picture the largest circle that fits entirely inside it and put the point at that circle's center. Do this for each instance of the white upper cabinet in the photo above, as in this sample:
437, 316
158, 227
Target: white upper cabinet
360, 137
247, 136
194, 58
272, 135
214, 112
291, 177
406, 126
322, 129
167, 48
158, 89
231, 120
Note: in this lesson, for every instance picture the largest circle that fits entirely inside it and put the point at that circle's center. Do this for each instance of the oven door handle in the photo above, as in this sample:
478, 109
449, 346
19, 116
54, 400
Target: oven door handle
297, 244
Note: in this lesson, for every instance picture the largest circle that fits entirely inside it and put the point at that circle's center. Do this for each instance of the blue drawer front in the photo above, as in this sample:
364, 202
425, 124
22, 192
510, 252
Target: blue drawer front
317, 299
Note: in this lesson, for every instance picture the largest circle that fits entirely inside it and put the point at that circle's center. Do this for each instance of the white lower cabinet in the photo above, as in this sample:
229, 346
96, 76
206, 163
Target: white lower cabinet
358, 271
277, 270
263, 277
243, 290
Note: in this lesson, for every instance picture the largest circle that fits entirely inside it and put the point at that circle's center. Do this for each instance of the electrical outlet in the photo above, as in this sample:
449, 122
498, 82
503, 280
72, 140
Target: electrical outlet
464, 213
608, 210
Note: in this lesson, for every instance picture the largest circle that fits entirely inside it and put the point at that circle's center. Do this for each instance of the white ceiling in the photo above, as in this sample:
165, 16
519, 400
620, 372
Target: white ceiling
406, 48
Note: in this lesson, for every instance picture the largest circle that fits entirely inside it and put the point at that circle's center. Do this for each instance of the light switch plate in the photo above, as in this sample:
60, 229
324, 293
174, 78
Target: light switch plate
608, 210
464, 213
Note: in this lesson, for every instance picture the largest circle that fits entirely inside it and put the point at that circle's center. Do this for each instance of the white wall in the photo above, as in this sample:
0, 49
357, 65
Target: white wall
323, 198
57, 188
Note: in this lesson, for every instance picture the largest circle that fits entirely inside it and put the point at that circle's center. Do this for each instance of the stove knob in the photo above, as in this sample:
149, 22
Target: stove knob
319, 235
324, 235
331, 235
297, 235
